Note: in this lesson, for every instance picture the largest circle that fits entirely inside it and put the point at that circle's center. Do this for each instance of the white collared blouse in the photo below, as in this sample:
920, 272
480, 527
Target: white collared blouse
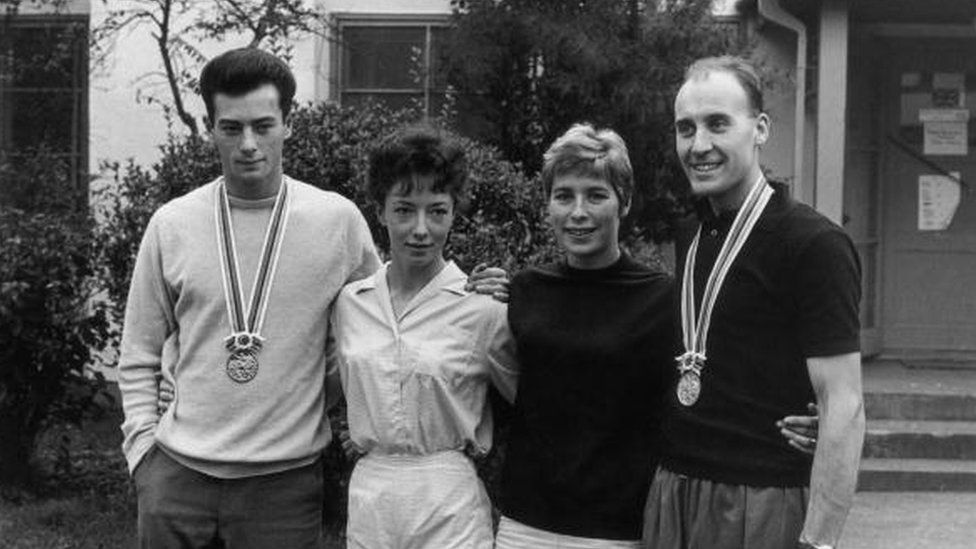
418, 383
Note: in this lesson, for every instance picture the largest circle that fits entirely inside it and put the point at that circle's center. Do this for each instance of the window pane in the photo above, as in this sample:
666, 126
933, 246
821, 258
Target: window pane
438, 37
44, 57
383, 57
32, 118
394, 101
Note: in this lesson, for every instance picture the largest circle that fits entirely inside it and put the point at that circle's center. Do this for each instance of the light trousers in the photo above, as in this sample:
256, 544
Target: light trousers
515, 535
432, 501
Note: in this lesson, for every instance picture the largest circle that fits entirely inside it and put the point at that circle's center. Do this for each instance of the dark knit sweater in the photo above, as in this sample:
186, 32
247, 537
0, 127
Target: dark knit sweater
596, 351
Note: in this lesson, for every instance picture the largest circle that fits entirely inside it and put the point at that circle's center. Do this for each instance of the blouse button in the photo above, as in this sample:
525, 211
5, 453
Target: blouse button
714, 232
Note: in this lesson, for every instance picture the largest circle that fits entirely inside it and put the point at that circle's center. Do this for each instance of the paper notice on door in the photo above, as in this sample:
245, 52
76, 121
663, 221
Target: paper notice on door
938, 199
949, 89
943, 115
946, 138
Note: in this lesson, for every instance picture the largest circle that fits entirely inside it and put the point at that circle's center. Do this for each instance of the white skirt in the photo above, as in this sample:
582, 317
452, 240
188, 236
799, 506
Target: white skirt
515, 535
434, 501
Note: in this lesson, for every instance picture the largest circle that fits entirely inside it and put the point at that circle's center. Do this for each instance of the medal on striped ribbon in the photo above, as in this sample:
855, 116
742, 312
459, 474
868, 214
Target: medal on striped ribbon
245, 341
694, 326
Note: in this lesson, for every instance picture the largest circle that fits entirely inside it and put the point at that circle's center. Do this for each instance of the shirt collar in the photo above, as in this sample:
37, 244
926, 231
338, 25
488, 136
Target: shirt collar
723, 221
451, 279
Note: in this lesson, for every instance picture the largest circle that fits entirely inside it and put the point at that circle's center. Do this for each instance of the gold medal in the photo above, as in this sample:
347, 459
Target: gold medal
242, 365
689, 387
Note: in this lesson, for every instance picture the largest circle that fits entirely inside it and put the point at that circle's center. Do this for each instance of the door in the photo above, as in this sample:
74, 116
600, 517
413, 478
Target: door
928, 299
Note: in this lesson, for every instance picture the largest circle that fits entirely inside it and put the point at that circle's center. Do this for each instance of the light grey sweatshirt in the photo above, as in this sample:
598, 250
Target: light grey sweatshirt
176, 322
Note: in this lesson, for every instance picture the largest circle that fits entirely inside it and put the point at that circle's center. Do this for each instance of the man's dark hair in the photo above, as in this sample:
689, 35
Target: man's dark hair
237, 72
739, 68
417, 155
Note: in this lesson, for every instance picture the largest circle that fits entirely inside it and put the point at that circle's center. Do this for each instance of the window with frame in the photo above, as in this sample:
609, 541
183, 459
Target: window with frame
393, 61
44, 91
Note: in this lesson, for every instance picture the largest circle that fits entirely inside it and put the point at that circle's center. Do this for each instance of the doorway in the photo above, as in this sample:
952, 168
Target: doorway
927, 252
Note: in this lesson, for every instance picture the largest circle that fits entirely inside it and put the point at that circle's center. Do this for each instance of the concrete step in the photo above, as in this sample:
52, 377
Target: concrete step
917, 475
920, 406
901, 439
921, 432
888, 376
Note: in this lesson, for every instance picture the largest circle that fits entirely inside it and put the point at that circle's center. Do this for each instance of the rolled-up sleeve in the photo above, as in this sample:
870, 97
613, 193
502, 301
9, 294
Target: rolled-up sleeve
500, 352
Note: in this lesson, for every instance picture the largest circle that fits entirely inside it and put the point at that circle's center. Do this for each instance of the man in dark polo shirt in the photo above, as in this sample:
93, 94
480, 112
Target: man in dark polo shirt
769, 293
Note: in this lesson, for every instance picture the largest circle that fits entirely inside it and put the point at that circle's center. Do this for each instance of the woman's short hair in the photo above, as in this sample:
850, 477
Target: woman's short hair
587, 152
415, 155
742, 70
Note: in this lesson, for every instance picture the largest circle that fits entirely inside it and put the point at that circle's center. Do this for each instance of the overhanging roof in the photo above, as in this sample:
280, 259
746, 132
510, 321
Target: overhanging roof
927, 12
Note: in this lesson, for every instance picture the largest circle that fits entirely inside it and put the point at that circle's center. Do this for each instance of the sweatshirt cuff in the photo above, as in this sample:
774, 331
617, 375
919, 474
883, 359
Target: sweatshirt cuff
137, 450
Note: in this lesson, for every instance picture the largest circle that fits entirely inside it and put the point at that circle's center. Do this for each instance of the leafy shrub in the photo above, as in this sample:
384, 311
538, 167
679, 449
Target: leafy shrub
503, 223
124, 205
49, 324
37, 180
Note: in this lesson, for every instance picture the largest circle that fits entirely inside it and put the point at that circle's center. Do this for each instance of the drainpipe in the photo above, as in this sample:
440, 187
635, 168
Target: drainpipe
773, 11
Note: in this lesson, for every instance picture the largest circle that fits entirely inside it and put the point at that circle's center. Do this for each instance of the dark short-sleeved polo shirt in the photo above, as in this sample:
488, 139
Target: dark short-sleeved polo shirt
791, 294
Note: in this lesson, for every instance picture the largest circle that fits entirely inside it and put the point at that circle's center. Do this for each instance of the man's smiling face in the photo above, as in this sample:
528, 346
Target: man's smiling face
717, 136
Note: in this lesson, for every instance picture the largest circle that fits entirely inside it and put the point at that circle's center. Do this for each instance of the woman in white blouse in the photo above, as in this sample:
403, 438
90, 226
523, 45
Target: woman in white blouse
416, 354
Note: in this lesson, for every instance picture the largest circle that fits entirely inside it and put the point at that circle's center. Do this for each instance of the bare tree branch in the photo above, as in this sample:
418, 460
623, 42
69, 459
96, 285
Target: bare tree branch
273, 24
163, 42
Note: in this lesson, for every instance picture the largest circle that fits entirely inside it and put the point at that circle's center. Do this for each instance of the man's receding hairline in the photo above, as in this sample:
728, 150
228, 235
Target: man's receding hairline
702, 74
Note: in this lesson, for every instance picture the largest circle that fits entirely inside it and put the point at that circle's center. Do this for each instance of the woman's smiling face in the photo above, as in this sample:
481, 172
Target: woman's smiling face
585, 214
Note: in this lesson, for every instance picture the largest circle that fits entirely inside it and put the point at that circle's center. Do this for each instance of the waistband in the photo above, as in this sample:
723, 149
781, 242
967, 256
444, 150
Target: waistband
436, 460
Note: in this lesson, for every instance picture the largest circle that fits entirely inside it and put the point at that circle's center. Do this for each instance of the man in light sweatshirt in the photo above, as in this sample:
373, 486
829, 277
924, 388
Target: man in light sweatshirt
229, 305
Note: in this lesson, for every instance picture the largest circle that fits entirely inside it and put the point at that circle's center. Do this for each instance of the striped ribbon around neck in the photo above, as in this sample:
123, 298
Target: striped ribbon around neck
694, 327
245, 339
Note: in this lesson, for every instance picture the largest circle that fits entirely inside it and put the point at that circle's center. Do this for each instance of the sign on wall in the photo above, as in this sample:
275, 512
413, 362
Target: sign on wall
945, 130
935, 111
938, 199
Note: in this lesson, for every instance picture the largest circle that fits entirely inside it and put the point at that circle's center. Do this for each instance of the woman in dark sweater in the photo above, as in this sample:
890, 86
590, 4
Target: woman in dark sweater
595, 340
596, 343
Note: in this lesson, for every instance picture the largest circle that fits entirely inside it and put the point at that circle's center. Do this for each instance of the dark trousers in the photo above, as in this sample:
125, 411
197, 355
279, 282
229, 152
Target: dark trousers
183, 508
690, 513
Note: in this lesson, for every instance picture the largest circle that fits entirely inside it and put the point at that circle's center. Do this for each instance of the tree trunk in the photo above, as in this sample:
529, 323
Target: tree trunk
16, 442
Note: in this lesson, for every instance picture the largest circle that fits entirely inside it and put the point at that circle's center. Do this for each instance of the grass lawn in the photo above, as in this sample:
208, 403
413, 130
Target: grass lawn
85, 499
81, 521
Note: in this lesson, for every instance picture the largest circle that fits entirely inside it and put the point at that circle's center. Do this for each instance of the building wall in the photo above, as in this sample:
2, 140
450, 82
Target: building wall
775, 55
123, 124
